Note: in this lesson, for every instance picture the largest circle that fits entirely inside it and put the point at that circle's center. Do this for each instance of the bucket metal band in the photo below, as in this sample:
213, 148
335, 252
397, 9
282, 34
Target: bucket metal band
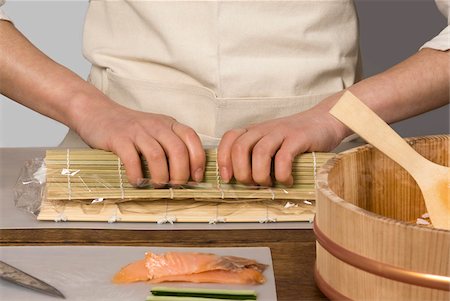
327, 289
379, 268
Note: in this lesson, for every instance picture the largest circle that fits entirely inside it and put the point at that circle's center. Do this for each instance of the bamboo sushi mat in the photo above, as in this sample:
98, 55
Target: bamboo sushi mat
91, 185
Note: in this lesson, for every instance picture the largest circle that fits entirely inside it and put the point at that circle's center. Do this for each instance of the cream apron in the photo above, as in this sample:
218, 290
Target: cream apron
217, 65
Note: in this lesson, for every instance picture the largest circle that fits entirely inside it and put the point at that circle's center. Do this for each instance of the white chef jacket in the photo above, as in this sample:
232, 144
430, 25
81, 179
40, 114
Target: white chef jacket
442, 40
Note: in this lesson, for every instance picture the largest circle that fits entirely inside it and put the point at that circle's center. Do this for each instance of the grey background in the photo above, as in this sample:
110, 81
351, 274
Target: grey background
390, 32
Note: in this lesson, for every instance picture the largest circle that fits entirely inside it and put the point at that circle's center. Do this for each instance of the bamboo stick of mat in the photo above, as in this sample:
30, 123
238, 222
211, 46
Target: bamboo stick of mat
78, 179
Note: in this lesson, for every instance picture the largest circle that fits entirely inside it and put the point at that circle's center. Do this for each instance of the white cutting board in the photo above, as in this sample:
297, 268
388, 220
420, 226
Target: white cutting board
84, 273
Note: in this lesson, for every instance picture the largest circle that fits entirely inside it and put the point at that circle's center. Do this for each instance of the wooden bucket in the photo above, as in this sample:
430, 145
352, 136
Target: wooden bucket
368, 245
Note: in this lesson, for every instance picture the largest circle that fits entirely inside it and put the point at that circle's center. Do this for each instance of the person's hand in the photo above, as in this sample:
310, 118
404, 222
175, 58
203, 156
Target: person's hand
173, 151
247, 153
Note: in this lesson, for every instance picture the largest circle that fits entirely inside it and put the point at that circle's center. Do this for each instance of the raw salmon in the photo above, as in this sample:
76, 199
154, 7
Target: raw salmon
192, 267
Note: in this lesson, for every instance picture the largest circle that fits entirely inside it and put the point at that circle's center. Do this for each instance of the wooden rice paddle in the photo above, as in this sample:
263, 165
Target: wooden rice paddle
432, 179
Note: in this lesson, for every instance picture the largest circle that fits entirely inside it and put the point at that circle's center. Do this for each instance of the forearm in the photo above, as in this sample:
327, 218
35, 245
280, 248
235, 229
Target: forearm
417, 85
414, 86
31, 78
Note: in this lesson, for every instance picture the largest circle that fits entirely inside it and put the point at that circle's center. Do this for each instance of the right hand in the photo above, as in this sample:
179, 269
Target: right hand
173, 151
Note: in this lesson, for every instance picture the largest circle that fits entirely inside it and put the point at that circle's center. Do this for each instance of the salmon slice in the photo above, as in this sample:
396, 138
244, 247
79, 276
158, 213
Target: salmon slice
192, 267
243, 276
134, 272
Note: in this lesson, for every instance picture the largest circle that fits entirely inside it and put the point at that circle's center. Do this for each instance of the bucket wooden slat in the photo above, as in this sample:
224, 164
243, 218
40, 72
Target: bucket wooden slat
367, 205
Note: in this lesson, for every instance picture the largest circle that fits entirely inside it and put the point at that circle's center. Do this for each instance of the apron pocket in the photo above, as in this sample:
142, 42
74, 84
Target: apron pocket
190, 105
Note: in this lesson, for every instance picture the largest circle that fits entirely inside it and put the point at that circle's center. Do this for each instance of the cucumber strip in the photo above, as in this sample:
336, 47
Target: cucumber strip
205, 293
173, 298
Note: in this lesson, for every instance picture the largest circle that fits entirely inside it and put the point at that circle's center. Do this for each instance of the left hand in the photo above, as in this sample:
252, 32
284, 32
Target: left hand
247, 153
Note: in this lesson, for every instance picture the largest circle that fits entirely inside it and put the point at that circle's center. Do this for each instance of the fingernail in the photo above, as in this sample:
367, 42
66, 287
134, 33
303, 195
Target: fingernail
198, 175
225, 174
142, 183
291, 181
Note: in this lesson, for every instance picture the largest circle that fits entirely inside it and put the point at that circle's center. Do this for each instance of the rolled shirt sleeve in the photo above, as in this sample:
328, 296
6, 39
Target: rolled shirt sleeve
442, 40
2, 14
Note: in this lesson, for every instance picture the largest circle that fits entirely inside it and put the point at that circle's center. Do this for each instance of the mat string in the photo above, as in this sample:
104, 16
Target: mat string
218, 181
314, 169
167, 219
119, 169
69, 186
115, 217
60, 217
217, 218
269, 219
